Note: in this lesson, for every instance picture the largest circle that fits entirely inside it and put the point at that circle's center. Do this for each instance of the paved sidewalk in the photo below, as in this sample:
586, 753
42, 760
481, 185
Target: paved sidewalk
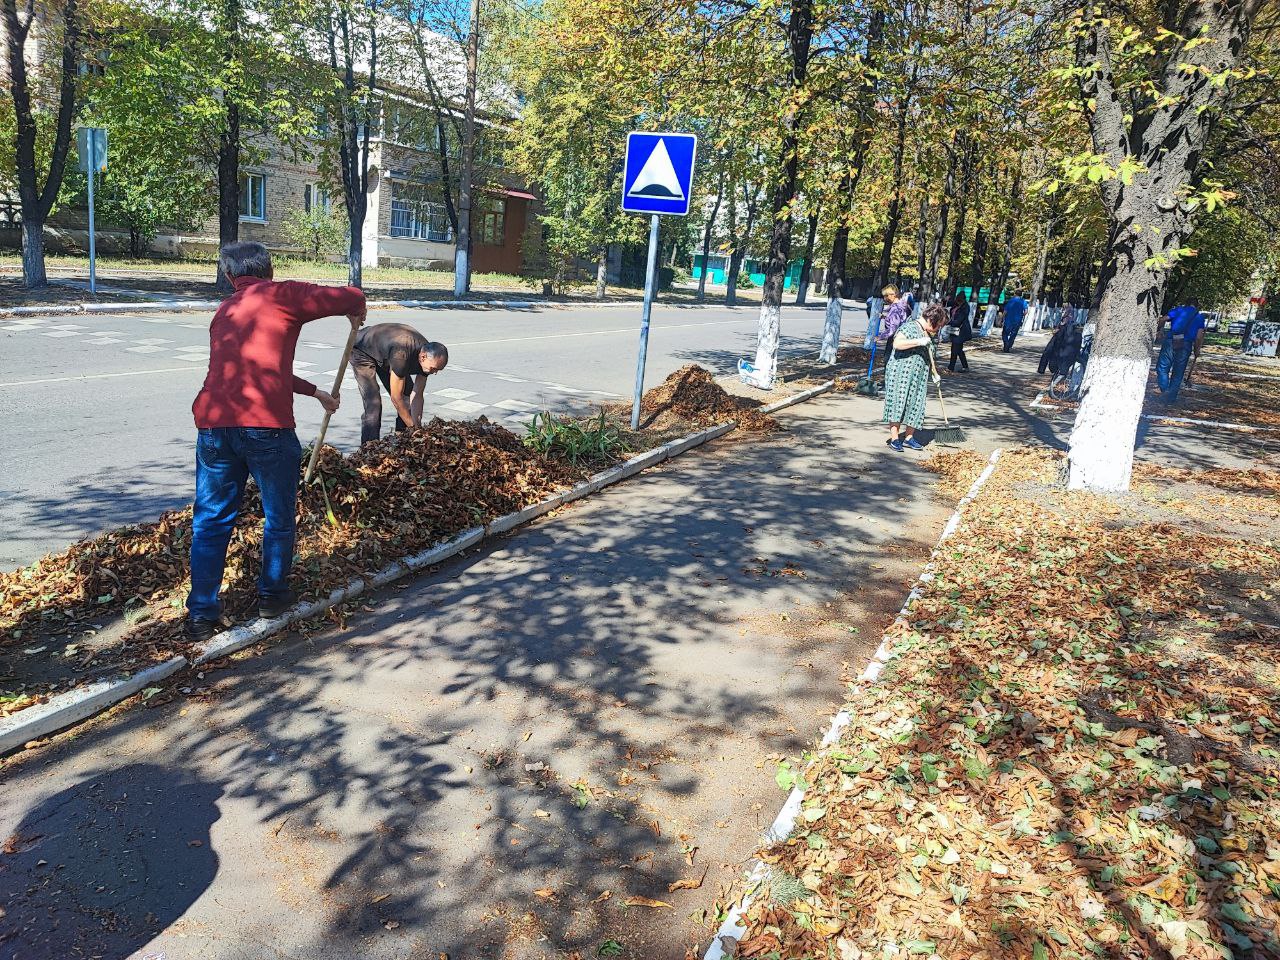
480, 757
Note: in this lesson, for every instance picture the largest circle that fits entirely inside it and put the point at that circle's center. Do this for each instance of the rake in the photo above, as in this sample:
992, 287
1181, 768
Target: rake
948, 435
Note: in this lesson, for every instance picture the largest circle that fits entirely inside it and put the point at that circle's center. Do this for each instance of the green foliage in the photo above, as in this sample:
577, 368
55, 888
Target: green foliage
318, 233
598, 440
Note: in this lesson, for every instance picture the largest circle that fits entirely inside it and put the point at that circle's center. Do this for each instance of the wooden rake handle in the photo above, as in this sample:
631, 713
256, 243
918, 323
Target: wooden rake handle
324, 424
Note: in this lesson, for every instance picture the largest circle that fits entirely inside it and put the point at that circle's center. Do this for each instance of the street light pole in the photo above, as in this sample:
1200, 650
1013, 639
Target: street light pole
462, 254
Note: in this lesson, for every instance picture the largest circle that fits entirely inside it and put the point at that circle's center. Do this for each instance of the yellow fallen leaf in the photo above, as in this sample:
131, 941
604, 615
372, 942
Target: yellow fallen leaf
545, 893
541, 813
644, 902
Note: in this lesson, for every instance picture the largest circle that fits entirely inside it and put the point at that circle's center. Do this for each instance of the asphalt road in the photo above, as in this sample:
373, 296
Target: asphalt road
95, 411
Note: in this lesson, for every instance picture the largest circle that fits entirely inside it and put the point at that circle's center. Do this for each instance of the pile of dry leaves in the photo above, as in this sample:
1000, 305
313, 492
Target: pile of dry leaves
1075, 753
390, 499
691, 396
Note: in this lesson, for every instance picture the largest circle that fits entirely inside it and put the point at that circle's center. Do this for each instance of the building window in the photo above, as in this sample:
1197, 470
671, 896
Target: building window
415, 216
316, 197
491, 227
253, 197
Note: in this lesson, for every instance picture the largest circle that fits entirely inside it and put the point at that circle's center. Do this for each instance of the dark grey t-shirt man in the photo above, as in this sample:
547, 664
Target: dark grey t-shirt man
402, 359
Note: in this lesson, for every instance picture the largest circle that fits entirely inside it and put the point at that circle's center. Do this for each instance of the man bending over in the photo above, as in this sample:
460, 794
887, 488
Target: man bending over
402, 359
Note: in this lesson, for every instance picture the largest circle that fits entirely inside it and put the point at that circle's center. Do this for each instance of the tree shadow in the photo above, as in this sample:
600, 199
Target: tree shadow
102, 866
508, 739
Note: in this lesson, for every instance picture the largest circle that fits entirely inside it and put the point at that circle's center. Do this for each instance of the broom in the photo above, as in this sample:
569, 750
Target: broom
324, 425
948, 435
866, 386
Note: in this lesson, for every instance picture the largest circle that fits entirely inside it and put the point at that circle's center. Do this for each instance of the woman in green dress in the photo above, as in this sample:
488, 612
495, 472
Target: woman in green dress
906, 378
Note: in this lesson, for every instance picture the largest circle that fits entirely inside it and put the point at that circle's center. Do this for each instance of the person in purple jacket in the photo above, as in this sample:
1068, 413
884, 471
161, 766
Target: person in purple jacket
897, 311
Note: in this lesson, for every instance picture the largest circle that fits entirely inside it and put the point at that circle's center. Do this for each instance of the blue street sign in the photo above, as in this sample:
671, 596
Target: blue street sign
657, 176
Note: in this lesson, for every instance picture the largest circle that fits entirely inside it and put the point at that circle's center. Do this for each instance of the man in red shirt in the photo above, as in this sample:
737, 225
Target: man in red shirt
244, 414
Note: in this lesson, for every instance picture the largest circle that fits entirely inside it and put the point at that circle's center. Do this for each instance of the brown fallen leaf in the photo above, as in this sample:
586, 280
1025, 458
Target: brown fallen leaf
380, 897
645, 902
688, 883
546, 893
603, 897
541, 813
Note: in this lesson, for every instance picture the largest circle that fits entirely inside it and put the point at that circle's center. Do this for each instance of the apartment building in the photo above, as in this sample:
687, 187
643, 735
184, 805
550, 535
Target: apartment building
407, 223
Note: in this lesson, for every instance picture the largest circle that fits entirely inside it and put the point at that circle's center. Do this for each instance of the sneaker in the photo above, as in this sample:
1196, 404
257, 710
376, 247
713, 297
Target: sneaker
911, 443
895, 445
271, 607
199, 630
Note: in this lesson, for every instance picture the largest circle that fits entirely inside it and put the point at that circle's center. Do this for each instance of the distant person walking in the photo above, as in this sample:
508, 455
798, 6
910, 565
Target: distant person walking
244, 413
1014, 310
1182, 340
402, 359
961, 332
906, 378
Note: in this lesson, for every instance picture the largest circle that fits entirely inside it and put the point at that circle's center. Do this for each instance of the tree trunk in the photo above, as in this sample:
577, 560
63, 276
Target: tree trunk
939, 237
33, 272
922, 239
739, 251
229, 142
962, 212
835, 293
1102, 439
602, 270
37, 200
799, 38
802, 290
1042, 257
979, 258
706, 239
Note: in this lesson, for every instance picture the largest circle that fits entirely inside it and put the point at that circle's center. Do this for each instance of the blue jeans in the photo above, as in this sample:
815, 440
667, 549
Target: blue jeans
1009, 333
1172, 366
225, 459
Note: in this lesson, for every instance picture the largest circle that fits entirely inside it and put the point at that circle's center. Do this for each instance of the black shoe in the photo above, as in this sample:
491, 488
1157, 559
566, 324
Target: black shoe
271, 607
199, 630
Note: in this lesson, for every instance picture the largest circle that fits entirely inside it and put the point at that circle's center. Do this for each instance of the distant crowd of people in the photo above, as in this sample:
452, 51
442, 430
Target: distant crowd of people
908, 332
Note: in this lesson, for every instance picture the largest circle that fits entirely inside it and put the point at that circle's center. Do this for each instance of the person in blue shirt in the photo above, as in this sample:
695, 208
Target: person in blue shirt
1014, 310
1182, 339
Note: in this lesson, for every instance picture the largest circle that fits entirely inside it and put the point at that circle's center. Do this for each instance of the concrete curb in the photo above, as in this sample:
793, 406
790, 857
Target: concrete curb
76, 705
724, 944
70, 708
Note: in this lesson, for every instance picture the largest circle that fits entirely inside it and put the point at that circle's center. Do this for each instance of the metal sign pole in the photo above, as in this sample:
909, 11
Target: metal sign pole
93, 248
650, 281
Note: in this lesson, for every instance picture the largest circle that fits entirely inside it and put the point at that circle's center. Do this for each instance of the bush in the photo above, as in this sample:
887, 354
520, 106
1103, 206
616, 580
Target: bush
320, 234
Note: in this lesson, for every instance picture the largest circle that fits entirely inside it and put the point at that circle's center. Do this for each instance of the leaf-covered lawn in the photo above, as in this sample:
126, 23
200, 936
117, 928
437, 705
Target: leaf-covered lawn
1074, 753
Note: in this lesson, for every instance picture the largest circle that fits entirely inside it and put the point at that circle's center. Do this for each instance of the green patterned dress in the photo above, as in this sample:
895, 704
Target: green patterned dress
906, 380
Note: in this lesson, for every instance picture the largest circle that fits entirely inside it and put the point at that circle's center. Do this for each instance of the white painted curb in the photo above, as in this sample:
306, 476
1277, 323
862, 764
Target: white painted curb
76, 705
724, 943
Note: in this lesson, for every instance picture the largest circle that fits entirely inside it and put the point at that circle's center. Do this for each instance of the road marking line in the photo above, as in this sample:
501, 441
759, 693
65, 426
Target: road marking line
464, 406
102, 341
516, 405
60, 333
98, 376
144, 349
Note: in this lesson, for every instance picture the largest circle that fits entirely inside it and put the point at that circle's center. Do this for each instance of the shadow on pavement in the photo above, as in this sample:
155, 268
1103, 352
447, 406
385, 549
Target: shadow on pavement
103, 865
561, 716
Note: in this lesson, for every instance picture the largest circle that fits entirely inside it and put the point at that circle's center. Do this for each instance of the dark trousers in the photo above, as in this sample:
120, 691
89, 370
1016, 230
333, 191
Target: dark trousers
367, 375
1009, 334
225, 459
957, 353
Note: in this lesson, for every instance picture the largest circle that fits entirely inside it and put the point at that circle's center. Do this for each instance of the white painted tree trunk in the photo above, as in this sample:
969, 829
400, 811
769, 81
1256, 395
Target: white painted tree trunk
989, 320
766, 363
876, 309
1102, 438
831, 331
